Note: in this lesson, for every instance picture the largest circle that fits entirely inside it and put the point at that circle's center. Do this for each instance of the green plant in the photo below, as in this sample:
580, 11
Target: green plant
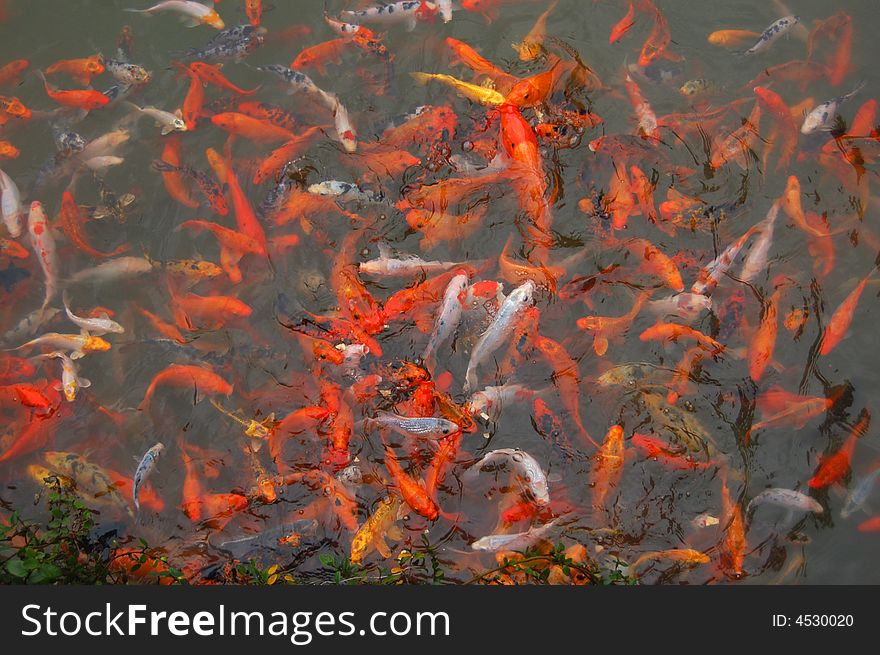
65, 550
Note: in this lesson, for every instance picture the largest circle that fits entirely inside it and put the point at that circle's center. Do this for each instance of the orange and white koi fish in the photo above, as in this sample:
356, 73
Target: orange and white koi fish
43, 244
191, 13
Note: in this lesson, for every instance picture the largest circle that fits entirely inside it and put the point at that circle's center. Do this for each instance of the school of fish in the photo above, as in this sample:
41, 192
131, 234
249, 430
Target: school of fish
551, 300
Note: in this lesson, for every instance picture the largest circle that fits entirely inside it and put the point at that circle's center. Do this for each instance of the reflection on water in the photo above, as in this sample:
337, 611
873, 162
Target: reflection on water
403, 291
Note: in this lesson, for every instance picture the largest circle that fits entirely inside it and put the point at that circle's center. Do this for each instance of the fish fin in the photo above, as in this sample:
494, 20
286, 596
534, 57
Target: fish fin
167, 129
189, 21
382, 546
58, 386
77, 354
84, 383
395, 533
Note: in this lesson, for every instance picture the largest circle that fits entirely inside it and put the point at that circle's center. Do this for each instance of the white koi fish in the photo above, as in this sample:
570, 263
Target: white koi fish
406, 13
822, 117
146, 466
448, 317
772, 33
787, 498
10, 205
513, 541
387, 266
95, 326
169, 122
113, 270
526, 469
756, 261
499, 330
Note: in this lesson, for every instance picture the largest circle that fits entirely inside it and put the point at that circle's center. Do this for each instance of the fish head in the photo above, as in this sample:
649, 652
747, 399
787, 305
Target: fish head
213, 19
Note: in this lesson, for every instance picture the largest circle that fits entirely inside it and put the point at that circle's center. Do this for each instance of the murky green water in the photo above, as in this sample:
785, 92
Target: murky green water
652, 507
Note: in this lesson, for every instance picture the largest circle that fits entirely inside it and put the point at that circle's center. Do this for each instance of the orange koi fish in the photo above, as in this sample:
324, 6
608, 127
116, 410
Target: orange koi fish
732, 38
172, 178
764, 340
289, 151
842, 318
297, 422
245, 217
834, 467
734, 530
11, 72
413, 492
318, 56
608, 465
788, 129
566, 378
667, 454
673, 332
531, 45
80, 70
254, 11
604, 328
623, 25
201, 379
70, 223
210, 74
87, 99
253, 129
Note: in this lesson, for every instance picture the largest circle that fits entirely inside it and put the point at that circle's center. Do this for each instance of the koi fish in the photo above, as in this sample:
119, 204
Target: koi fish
685, 556
516, 540
859, 493
772, 34
531, 45
371, 535
202, 380
787, 498
87, 99
412, 491
191, 13
822, 116
608, 465
499, 330
90, 479
448, 317
842, 318
425, 428
527, 471
81, 70
144, 468
479, 94
834, 467
98, 326
43, 244
623, 25
10, 205
166, 120
731, 38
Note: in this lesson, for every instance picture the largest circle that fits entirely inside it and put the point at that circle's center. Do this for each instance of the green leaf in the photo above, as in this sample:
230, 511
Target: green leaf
16, 567
327, 560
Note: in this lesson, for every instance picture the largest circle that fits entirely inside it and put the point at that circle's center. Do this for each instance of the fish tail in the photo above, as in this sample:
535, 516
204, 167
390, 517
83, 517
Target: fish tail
422, 78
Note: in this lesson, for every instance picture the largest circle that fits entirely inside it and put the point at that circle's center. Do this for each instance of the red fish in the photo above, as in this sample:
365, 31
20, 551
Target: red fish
623, 25
842, 318
202, 380
87, 99
834, 467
